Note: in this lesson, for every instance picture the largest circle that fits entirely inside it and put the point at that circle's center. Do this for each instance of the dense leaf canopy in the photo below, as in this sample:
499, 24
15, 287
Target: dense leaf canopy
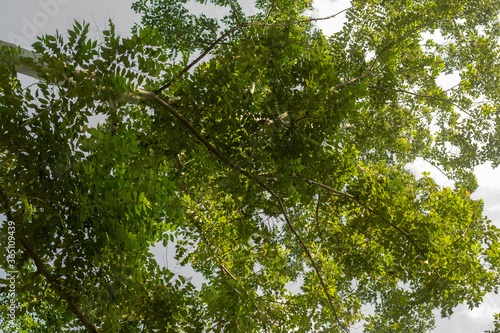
270, 154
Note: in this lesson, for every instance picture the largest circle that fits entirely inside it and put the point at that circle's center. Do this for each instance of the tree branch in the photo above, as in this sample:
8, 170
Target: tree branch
214, 257
316, 213
444, 100
396, 41
361, 203
350, 196
230, 31
152, 97
42, 269
25, 123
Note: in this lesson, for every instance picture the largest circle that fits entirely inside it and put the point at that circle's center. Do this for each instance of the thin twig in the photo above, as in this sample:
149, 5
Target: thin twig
269, 11
444, 100
223, 268
233, 7
27, 122
27, 196
396, 41
317, 217
350, 196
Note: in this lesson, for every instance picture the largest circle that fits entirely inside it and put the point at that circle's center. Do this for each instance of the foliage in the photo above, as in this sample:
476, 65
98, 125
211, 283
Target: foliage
281, 157
497, 324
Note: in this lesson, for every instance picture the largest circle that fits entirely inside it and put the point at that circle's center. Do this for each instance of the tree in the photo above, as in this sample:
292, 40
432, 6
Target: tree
278, 155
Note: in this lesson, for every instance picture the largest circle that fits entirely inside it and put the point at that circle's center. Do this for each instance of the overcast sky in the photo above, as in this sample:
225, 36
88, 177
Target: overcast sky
22, 20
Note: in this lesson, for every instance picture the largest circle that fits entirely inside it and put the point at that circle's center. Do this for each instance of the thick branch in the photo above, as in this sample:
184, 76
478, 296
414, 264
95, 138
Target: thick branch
57, 287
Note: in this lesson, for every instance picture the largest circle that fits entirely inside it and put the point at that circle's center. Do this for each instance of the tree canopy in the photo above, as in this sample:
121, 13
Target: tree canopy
268, 153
